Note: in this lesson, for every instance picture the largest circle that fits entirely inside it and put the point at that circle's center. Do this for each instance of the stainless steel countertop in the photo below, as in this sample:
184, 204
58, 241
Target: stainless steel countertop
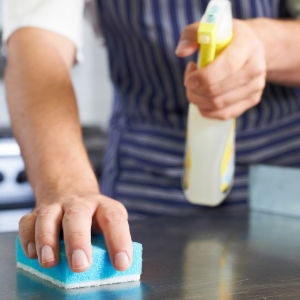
222, 254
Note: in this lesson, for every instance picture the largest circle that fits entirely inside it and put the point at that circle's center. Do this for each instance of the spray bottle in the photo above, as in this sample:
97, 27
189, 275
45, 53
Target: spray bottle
210, 145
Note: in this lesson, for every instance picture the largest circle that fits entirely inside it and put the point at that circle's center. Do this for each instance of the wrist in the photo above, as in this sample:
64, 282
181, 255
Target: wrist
273, 37
262, 29
66, 185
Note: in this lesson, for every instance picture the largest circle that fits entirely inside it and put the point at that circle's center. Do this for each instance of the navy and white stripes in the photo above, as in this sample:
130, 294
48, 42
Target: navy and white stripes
144, 161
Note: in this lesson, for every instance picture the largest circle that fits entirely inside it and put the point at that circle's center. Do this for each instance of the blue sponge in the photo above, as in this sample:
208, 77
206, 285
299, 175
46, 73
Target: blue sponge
101, 271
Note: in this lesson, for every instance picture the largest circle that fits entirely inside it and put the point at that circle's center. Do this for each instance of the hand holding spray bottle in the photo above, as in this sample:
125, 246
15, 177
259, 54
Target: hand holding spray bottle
210, 145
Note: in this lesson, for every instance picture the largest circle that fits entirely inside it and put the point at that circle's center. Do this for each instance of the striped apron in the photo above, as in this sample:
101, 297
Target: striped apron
143, 166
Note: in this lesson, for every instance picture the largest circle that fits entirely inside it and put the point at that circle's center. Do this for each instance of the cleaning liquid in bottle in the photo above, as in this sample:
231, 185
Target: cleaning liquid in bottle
210, 143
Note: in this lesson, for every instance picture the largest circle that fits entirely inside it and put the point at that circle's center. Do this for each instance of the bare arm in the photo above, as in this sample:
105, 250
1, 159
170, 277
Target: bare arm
281, 40
46, 124
44, 113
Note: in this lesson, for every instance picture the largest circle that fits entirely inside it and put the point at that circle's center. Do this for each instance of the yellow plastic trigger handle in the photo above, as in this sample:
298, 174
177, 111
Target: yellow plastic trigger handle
210, 46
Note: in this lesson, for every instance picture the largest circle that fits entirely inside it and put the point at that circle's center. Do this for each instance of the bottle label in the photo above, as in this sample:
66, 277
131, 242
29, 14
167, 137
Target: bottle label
228, 161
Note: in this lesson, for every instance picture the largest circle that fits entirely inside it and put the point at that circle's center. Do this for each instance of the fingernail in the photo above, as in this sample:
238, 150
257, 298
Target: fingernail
47, 254
79, 259
31, 249
121, 261
182, 45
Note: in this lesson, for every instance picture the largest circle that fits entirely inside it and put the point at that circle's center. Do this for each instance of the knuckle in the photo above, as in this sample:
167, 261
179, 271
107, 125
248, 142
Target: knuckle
43, 211
26, 218
217, 102
74, 235
259, 68
241, 80
231, 65
210, 90
122, 209
111, 217
115, 214
72, 212
48, 210
44, 235
76, 210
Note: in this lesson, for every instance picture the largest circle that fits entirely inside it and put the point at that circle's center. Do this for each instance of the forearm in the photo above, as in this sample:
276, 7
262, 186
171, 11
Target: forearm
45, 118
281, 40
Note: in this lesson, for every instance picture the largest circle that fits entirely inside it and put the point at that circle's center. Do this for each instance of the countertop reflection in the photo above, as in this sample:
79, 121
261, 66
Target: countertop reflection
223, 254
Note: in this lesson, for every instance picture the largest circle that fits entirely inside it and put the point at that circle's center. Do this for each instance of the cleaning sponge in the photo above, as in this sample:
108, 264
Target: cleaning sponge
101, 271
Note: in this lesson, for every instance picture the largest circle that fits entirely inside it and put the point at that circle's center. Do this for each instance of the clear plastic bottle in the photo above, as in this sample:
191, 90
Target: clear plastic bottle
210, 144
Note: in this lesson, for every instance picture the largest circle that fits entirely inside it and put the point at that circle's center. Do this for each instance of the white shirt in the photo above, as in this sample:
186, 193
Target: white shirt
63, 17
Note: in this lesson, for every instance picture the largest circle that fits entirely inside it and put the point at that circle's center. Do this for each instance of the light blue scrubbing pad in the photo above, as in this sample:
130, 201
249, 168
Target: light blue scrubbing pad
101, 271
275, 189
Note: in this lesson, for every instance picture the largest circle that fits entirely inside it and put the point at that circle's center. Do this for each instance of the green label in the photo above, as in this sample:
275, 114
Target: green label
211, 18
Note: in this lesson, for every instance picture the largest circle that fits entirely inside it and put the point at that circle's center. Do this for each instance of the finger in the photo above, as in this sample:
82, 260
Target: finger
227, 99
233, 111
27, 234
47, 227
202, 102
113, 219
189, 71
251, 90
254, 68
188, 44
77, 223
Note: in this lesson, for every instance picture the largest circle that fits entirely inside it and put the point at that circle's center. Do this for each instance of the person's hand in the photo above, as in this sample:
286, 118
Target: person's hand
234, 82
78, 216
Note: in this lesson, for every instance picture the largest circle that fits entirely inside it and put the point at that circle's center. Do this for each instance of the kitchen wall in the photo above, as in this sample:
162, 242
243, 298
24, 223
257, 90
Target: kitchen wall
92, 82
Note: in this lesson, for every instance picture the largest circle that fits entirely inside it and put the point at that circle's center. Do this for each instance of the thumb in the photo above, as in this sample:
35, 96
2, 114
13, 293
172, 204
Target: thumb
190, 69
188, 44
